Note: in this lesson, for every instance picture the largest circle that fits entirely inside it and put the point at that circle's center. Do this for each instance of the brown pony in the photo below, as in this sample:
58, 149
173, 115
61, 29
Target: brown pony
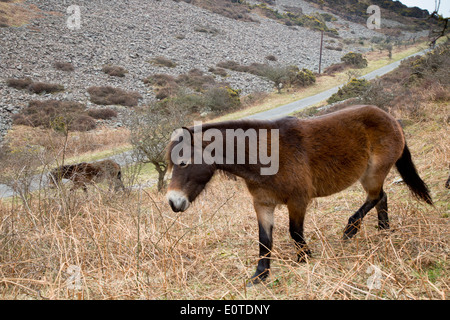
84, 173
317, 157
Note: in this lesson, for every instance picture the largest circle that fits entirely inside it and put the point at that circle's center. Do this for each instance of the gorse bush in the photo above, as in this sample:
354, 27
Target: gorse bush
352, 89
220, 99
314, 21
285, 76
355, 59
304, 78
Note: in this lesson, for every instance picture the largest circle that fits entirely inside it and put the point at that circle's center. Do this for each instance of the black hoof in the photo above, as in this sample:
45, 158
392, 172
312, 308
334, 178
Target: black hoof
349, 233
383, 225
303, 256
258, 277
351, 229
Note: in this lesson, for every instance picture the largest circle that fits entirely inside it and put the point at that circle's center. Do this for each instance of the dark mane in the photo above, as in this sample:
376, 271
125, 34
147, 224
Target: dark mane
244, 124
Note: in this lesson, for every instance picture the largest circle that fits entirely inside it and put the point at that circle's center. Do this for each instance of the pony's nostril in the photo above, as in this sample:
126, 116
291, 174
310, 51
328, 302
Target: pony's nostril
172, 205
183, 205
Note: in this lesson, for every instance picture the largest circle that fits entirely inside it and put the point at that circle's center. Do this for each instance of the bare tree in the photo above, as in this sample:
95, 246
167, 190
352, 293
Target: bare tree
442, 23
151, 128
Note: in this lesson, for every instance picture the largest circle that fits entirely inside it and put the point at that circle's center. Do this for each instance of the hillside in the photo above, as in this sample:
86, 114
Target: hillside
134, 33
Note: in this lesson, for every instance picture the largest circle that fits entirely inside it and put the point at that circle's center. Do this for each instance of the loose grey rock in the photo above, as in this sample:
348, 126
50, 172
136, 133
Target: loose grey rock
130, 33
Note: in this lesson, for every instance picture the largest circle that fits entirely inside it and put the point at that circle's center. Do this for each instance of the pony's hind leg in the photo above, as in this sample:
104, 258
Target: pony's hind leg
382, 210
354, 222
372, 182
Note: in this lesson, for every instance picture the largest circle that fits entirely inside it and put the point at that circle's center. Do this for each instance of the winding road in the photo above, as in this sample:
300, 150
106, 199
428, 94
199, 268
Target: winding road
324, 95
125, 158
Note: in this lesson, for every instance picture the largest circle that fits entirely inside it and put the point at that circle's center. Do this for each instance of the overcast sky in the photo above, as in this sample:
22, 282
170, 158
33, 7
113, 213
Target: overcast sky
430, 5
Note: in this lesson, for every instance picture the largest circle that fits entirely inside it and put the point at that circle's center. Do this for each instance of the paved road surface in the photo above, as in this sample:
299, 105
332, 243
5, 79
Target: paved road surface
312, 100
282, 111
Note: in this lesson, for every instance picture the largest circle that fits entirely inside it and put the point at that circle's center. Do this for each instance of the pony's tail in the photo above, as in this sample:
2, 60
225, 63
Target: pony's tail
409, 174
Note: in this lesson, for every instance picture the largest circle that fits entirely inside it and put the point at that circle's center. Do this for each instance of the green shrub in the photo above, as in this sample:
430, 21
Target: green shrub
304, 78
354, 59
328, 17
354, 88
221, 99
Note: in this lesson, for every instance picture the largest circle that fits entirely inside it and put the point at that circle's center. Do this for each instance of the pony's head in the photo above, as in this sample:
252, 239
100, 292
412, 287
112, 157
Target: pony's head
189, 177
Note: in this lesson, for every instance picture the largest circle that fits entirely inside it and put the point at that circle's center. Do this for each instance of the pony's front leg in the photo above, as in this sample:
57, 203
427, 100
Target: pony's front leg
264, 213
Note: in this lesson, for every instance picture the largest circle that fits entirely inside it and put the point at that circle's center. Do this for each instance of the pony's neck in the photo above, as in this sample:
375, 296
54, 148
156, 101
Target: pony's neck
247, 172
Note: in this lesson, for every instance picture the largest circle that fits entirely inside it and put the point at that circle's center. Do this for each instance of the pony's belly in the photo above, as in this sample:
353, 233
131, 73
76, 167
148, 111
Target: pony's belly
335, 184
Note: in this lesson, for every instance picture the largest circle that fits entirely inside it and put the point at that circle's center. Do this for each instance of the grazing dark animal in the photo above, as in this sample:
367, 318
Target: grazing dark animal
317, 157
82, 174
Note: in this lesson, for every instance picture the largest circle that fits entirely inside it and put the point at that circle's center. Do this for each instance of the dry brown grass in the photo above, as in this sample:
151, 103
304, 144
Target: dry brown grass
133, 246
78, 143
13, 15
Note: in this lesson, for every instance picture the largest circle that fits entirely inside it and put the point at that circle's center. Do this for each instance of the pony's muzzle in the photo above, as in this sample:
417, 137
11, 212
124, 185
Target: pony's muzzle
177, 201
